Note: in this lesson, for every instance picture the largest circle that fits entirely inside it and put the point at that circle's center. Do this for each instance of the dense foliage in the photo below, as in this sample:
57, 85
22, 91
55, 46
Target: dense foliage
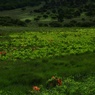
33, 45
12, 4
69, 87
8, 21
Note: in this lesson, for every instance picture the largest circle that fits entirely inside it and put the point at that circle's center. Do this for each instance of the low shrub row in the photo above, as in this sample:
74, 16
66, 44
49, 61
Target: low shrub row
8, 21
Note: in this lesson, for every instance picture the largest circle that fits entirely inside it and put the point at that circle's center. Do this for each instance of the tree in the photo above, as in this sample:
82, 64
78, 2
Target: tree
45, 16
60, 15
36, 19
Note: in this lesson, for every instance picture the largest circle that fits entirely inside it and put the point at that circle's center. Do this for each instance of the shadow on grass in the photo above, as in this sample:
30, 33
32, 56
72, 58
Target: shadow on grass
35, 72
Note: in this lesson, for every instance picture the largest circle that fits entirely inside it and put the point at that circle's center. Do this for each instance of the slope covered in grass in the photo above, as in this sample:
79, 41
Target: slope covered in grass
31, 58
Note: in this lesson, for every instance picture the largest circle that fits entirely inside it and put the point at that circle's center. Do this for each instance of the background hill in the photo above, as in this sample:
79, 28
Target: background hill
56, 13
12, 4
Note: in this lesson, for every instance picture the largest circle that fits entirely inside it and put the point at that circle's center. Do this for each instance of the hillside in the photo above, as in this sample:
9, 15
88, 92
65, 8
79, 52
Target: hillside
13, 4
56, 13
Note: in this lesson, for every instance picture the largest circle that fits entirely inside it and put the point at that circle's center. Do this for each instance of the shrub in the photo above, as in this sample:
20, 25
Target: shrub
23, 9
8, 21
27, 20
45, 16
43, 24
83, 19
86, 24
54, 81
36, 19
55, 24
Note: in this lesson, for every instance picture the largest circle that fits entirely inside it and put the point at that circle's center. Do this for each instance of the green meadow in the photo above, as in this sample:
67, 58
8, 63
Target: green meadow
31, 56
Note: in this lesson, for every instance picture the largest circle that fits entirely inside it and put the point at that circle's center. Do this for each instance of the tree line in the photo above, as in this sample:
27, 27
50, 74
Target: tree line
8, 21
13, 4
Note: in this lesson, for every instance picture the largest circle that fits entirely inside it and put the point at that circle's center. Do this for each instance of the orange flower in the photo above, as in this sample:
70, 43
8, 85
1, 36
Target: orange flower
36, 88
59, 82
2, 53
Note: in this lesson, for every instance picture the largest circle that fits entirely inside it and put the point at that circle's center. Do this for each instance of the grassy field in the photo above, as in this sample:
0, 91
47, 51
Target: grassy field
31, 56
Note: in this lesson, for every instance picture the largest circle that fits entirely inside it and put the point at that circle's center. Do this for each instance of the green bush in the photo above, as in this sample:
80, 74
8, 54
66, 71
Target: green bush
55, 24
8, 21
